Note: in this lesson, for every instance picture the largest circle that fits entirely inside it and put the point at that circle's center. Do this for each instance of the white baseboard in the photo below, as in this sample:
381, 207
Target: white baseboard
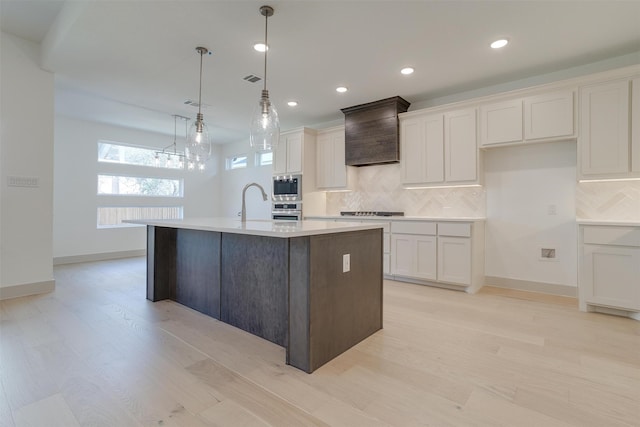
525, 285
635, 315
26, 289
98, 257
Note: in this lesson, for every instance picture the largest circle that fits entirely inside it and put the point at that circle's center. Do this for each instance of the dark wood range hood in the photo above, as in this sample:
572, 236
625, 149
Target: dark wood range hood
371, 132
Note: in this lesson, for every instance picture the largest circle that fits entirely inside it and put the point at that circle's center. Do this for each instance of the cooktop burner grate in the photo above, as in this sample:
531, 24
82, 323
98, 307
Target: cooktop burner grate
371, 213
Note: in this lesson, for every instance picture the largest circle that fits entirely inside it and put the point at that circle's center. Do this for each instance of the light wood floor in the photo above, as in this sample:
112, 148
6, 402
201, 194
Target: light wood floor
96, 353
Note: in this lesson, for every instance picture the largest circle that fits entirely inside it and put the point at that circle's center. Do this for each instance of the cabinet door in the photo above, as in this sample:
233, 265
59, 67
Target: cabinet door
280, 158
434, 148
422, 149
412, 151
331, 171
610, 276
549, 115
338, 165
295, 151
324, 156
402, 254
454, 260
635, 125
425, 254
501, 122
460, 143
604, 128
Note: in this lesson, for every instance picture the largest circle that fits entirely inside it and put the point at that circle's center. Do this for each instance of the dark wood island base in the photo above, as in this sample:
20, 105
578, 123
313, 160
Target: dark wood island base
289, 290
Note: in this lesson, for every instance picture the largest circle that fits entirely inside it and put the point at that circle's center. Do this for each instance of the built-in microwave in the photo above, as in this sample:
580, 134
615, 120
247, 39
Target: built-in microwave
287, 188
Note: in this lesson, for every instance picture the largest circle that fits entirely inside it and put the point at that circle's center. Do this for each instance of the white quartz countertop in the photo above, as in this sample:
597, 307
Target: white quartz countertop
624, 223
396, 218
269, 228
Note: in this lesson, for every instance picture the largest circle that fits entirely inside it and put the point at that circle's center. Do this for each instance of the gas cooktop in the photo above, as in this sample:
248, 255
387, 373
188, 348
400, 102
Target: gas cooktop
371, 213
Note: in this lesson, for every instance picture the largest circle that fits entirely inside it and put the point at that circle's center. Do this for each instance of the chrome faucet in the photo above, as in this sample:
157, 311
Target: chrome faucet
243, 214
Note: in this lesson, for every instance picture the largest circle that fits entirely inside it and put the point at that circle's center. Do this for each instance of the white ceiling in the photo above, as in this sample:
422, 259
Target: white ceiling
133, 63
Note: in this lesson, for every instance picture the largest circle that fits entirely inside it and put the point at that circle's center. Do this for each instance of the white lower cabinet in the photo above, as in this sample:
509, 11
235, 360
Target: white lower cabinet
446, 253
609, 271
413, 256
454, 260
440, 253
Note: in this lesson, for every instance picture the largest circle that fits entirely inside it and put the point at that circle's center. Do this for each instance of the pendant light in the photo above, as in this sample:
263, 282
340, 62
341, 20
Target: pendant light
198, 146
265, 125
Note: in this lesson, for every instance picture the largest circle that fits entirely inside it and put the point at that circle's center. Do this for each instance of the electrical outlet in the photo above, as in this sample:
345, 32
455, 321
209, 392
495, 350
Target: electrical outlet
23, 181
346, 263
552, 210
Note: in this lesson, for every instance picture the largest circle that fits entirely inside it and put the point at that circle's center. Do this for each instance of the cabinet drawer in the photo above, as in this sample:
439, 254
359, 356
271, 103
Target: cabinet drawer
410, 227
454, 229
615, 236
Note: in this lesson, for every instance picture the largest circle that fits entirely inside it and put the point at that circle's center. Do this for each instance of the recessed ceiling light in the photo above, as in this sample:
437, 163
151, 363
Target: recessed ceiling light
407, 70
499, 43
260, 47
292, 103
341, 89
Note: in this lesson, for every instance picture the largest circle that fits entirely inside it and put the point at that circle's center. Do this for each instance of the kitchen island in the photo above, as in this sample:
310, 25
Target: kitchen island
312, 287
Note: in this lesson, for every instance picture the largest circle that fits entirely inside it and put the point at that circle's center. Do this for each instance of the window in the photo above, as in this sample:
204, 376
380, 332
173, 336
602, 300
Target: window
110, 152
236, 162
109, 216
139, 186
135, 183
264, 158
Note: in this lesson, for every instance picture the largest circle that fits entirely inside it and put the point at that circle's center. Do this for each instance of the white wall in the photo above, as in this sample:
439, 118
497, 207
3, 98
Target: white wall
234, 180
27, 95
75, 199
522, 185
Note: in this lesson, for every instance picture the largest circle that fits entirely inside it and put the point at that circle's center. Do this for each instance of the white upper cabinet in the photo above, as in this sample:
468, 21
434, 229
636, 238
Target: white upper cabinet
547, 116
439, 148
605, 145
501, 122
331, 171
422, 149
289, 155
280, 157
460, 146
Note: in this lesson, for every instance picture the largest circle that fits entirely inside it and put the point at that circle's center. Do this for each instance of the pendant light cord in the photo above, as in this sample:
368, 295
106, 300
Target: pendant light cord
266, 48
200, 88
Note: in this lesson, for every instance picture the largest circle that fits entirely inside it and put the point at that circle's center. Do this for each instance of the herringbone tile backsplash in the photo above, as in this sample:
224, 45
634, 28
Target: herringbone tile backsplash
379, 188
614, 200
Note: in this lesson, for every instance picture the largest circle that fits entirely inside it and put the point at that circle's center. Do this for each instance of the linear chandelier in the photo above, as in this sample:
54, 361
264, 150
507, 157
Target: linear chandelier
171, 156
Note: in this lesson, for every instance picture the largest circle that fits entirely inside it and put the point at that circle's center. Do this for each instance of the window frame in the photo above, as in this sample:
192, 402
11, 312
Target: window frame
230, 159
140, 201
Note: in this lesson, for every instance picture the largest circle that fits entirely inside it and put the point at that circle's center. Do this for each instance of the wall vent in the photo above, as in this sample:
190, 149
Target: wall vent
252, 78
193, 103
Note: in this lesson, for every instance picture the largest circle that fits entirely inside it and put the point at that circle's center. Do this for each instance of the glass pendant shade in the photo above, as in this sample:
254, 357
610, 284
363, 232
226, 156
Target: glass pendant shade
265, 126
198, 146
